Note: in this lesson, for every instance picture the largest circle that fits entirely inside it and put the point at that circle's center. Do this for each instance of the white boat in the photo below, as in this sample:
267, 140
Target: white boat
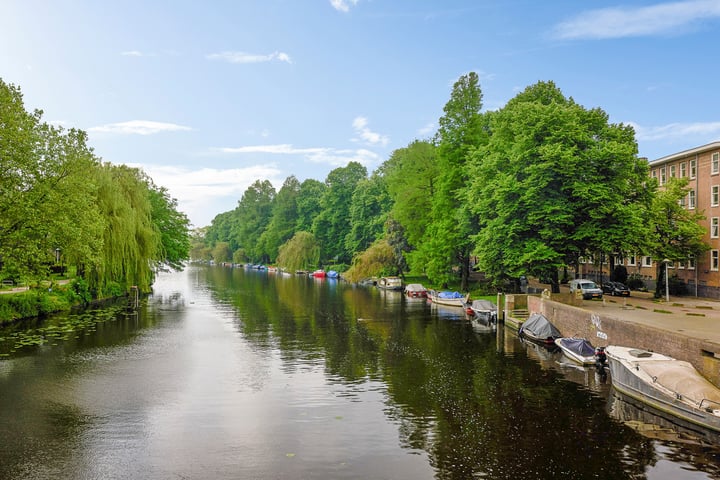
415, 290
579, 350
390, 283
451, 299
672, 387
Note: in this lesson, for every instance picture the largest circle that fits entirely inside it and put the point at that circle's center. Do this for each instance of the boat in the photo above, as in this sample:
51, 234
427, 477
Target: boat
332, 274
482, 309
415, 290
538, 329
390, 283
451, 299
318, 273
578, 349
669, 386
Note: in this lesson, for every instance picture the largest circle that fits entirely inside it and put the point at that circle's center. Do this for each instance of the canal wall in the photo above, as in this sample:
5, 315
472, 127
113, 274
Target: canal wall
604, 329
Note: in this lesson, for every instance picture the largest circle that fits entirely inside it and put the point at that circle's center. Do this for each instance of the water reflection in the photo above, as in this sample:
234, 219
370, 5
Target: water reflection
228, 373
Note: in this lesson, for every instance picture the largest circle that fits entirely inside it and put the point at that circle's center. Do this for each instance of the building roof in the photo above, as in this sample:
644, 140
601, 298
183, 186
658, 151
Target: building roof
685, 153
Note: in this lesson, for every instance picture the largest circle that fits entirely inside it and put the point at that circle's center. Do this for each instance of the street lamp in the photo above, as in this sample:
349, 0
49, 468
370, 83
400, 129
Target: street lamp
667, 284
57, 256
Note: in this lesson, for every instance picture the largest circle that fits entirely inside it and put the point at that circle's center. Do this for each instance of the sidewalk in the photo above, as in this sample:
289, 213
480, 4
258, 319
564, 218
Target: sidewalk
691, 316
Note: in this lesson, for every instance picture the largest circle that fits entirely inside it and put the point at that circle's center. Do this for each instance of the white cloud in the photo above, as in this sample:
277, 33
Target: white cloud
322, 155
205, 192
138, 127
705, 131
132, 53
427, 129
367, 135
243, 57
619, 22
343, 5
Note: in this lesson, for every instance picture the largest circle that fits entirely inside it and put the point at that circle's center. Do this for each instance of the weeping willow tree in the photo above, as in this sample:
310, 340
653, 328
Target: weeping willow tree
379, 259
131, 242
301, 252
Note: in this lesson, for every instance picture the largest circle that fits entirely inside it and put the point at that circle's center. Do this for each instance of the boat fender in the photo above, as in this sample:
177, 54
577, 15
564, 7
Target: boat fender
654, 379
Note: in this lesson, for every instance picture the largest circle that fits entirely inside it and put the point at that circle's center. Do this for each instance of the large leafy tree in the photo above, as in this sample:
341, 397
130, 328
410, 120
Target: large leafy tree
308, 203
332, 225
368, 212
301, 252
448, 239
284, 217
676, 232
252, 216
172, 225
131, 245
555, 181
46, 201
411, 178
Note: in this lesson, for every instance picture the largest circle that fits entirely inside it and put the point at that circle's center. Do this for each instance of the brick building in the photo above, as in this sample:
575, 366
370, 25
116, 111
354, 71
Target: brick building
702, 275
702, 166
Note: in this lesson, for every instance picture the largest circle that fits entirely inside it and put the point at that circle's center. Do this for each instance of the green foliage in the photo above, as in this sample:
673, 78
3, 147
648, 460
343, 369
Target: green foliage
301, 252
284, 218
635, 282
377, 260
331, 226
554, 182
368, 210
81, 289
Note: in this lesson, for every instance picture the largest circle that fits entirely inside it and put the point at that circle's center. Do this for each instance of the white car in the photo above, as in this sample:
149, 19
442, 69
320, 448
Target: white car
588, 288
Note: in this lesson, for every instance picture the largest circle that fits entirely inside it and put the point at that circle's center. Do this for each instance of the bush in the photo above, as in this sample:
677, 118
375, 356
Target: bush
635, 282
677, 286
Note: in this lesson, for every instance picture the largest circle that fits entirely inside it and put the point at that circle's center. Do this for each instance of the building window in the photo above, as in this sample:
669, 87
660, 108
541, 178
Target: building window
715, 227
691, 199
672, 171
714, 260
631, 261
683, 169
715, 196
647, 262
663, 176
654, 174
715, 163
691, 263
693, 168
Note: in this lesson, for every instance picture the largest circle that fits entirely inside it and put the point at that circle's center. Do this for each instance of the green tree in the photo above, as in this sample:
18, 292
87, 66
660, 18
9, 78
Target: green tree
284, 218
411, 178
368, 211
308, 203
301, 252
676, 231
221, 252
554, 182
131, 244
332, 224
377, 260
448, 239
172, 225
252, 217
46, 202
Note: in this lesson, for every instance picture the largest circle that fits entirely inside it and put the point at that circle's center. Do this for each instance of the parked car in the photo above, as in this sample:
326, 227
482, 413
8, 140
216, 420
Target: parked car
587, 287
615, 289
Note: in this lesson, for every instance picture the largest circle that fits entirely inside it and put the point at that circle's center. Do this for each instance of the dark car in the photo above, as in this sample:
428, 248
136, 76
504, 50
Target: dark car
615, 289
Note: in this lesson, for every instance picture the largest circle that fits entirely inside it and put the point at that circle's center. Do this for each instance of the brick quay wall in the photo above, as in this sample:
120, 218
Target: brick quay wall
605, 328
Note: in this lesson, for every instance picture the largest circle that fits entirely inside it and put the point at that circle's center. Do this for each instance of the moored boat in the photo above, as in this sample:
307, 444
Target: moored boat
415, 290
670, 386
390, 283
538, 329
319, 273
579, 350
332, 274
451, 299
482, 309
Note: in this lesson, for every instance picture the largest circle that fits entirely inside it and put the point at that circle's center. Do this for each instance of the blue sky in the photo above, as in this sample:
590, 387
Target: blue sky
208, 97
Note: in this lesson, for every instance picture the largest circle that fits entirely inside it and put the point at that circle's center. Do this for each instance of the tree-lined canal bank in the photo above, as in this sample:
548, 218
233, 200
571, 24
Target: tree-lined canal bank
226, 373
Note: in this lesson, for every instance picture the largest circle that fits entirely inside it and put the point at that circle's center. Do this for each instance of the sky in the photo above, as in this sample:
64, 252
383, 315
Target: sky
208, 97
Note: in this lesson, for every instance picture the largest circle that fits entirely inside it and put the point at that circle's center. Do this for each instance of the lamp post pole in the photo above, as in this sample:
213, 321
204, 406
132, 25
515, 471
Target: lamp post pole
667, 284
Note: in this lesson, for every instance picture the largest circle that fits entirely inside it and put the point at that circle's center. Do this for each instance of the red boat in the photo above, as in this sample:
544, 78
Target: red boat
318, 274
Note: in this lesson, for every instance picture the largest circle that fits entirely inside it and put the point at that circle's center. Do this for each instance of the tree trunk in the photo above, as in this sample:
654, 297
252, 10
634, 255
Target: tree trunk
660, 276
554, 282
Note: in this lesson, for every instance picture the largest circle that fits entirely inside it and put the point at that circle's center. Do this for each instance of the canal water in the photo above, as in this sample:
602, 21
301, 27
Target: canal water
240, 374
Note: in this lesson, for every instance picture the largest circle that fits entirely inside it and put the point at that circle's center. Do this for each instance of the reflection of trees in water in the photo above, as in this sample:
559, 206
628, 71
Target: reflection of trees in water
476, 412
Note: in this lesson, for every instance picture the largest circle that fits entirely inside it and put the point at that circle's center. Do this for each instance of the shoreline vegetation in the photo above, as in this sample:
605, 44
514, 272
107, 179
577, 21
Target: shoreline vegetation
105, 228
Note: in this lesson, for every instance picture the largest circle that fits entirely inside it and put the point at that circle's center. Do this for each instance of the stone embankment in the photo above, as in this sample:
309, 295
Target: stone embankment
685, 328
